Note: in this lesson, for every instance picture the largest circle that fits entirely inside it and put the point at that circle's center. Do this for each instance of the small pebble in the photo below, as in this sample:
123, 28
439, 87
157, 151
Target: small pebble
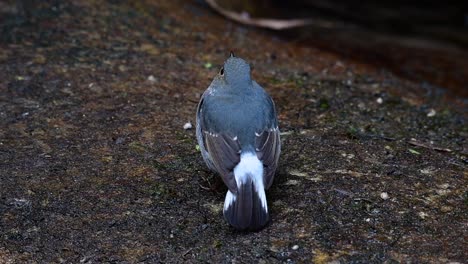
384, 196
431, 113
295, 247
187, 126
423, 215
443, 186
379, 100
292, 182
151, 78
298, 173
446, 209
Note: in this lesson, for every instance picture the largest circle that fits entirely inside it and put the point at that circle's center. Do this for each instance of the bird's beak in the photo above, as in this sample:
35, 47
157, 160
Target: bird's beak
232, 55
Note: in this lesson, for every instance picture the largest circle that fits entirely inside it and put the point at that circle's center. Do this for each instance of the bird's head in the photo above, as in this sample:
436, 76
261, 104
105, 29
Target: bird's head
235, 70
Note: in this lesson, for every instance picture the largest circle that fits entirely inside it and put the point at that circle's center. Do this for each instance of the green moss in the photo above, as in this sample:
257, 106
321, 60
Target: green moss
137, 147
158, 190
413, 151
217, 243
323, 104
159, 165
352, 132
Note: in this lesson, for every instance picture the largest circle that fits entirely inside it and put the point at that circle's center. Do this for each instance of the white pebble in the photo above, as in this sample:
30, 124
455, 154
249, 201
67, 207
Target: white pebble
151, 78
379, 100
423, 215
292, 182
187, 126
431, 113
384, 196
295, 247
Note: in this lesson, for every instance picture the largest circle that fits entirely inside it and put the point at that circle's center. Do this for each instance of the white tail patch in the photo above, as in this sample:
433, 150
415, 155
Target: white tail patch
230, 199
249, 167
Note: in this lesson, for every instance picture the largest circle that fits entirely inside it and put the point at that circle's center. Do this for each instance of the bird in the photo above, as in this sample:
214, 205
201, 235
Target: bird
239, 138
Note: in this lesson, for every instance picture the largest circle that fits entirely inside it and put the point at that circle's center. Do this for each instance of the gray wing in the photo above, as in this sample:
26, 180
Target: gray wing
220, 152
268, 143
268, 148
224, 153
201, 140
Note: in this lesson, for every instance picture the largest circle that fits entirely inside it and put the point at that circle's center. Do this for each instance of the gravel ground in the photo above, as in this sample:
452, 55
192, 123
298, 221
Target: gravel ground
96, 166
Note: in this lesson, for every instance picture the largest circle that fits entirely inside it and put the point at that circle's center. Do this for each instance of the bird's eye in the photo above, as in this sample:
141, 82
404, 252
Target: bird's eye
221, 72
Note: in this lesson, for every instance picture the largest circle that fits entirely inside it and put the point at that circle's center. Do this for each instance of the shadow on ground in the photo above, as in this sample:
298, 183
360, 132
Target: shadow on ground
96, 166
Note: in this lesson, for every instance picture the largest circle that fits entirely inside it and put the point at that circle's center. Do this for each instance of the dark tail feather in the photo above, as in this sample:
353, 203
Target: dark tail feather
244, 211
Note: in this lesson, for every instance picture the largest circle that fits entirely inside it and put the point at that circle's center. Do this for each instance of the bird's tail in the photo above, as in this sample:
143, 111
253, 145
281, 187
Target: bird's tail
247, 209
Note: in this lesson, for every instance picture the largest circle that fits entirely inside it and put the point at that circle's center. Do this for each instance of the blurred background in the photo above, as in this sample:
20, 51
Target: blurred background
425, 41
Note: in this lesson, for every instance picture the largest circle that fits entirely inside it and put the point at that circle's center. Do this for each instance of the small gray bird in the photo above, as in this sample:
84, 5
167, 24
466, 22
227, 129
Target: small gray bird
237, 131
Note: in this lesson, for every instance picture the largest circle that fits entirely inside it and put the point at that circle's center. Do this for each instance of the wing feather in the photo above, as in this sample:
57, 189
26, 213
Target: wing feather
268, 148
224, 153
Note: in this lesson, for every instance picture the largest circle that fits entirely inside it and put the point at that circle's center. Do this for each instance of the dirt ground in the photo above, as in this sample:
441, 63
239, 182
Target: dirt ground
95, 166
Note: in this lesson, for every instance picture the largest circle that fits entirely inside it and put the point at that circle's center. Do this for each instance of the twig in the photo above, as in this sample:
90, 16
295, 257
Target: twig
363, 199
204, 188
343, 192
419, 144
276, 24
186, 252
193, 101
